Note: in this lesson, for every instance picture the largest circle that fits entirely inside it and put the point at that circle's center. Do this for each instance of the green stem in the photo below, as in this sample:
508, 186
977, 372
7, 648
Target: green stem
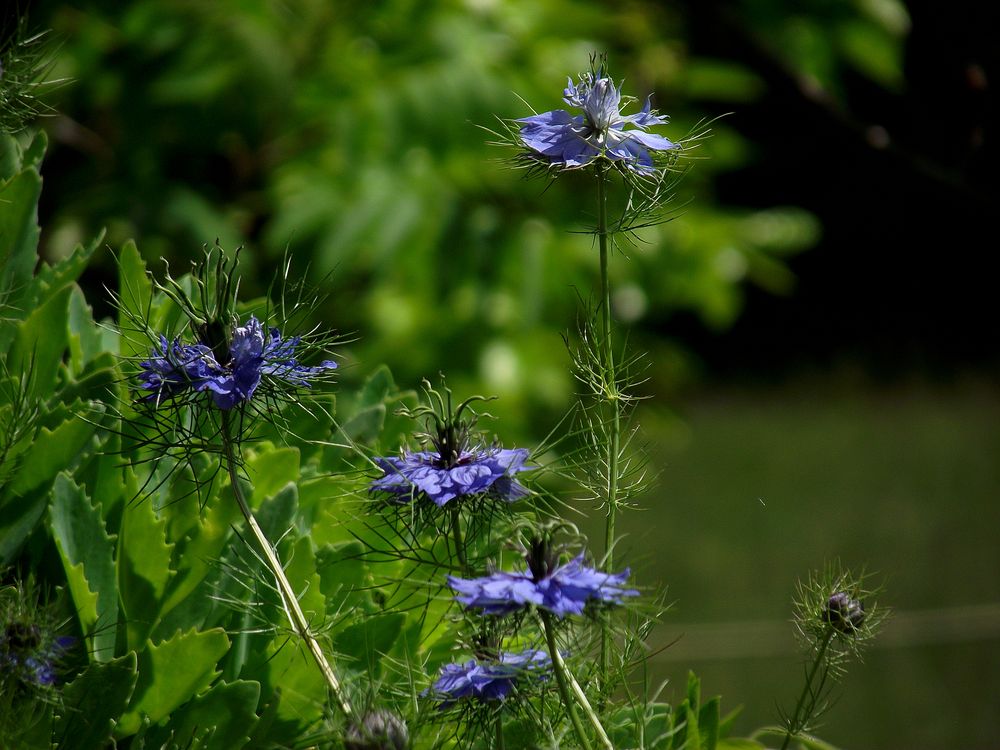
612, 397
499, 743
456, 533
571, 692
795, 725
295, 615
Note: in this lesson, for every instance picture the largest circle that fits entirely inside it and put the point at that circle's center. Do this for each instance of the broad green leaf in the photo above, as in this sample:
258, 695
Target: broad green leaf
66, 271
87, 551
377, 387
276, 514
363, 644
343, 575
222, 718
366, 424
271, 469
92, 703
739, 744
170, 674
39, 343
18, 518
86, 338
143, 568
35, 151
135, 299
52, 451
708, 723
18, 243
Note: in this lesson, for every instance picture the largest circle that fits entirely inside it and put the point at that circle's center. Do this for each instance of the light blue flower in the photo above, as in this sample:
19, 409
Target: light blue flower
568, 141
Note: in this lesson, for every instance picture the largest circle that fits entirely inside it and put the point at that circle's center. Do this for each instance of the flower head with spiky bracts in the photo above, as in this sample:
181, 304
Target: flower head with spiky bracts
560, 589
563, 140
487, 680
174, 368
453, 466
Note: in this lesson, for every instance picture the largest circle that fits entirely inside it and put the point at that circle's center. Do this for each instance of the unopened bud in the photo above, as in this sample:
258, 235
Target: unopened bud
378, 730
844, 613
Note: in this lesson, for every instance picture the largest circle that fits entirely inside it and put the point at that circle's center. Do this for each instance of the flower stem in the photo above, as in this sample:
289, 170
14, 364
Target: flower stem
456, 532
611, 396
499, 743
295, 615
571, 692
795, 725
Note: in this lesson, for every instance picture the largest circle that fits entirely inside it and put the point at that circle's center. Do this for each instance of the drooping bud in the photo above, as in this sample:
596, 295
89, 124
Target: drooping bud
845, 614
378, 730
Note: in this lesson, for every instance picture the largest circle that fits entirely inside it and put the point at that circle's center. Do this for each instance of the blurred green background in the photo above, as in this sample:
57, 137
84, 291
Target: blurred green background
821, 327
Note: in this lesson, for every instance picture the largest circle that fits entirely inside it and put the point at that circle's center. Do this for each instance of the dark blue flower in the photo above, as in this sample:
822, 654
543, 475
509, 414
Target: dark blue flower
175, 367
563, 590
471, 472
31, 655
572, 141
486, 681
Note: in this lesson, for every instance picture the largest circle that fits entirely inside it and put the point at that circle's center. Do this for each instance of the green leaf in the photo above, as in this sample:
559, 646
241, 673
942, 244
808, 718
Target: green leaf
18, 518
342, 575
272, 469
366, 424
363, 644
222, 718
143, 568
135, 298
87, 554
739, 744
377, 387
86, 339
39, 343
35, 152
92, 703
18, 242
708, 723
63, 273
170, 674
50, 452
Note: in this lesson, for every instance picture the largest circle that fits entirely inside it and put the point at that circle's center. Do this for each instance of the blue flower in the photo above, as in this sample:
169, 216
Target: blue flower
562, 590
175, 368
30, 655
486, 681
470, 472
573, 141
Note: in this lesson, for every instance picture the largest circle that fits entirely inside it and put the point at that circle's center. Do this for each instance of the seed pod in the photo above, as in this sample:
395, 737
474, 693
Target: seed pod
845, 614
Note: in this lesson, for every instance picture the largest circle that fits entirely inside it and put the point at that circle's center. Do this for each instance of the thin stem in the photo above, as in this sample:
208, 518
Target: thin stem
612, 397
796, 723
456, 532
571, 692
499, 743
295, 615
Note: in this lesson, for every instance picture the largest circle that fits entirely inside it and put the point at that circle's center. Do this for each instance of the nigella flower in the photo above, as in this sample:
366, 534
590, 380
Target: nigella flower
452, 467
487, 681
442, 479
174, 367
561, 589
561, 139
28, 655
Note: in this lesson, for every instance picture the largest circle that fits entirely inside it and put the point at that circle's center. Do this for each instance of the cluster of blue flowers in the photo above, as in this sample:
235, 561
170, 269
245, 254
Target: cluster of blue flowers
562, 590
176, 368
567, 141
476, 471
487, 680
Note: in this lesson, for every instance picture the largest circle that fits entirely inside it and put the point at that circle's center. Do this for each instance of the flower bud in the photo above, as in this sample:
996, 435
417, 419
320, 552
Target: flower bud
844, 613
378, 730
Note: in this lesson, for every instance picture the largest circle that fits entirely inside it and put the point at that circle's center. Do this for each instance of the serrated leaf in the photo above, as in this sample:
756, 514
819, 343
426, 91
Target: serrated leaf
377, 387
170, 674
223, 718
18, 518
39, 343
92, 703
87, 552
65, 272
86, 338
342, 574
143, 568
366, 424
50, 452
